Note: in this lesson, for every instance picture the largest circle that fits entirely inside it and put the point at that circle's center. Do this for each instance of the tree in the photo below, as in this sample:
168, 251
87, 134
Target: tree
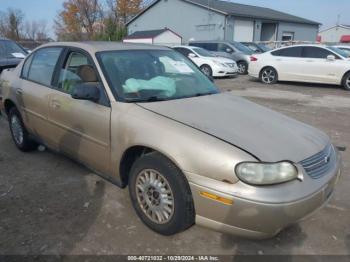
11, 23
79, 17
126, 9
30, 29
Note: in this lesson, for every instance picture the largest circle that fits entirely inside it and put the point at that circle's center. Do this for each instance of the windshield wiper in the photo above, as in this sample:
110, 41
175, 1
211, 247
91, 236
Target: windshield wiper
149, 99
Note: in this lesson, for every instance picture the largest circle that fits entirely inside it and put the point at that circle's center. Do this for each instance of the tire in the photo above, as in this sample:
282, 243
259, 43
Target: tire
179, 209
269, 76
207, 70
19, 133
346, 82
242, 68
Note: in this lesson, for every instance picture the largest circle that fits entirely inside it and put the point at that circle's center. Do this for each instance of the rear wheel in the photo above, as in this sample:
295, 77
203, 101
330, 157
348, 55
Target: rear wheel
346, 81
242, 68
269, 76
207, 70
19, 133
161, 195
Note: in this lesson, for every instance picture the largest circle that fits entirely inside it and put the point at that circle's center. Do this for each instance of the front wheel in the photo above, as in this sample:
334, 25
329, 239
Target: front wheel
19, 133
242, 68
269, 76
346, 81
161, 195
207, 70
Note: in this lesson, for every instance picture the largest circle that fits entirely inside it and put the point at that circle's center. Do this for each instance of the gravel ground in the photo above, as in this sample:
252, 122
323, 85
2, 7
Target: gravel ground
51, 205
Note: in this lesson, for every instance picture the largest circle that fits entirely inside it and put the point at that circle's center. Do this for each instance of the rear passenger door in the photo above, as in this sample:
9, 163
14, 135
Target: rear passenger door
80, 128
34, 89
289, 63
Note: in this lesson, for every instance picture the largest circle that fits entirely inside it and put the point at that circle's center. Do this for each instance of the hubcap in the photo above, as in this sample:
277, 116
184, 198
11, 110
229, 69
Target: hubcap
206, 71
17, 130
155, 196
268, 76
348, 82
241, 68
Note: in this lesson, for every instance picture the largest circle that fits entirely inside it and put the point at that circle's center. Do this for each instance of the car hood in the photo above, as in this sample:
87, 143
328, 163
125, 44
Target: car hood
268, 135
223, 60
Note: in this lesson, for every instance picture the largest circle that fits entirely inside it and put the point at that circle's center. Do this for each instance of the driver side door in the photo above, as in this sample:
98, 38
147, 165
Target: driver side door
80, 128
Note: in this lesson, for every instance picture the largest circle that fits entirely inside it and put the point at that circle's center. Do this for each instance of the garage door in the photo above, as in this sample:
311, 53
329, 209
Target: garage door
243, 30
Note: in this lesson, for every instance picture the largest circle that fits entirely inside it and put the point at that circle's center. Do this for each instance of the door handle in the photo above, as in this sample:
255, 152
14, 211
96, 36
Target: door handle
19, 91
55, 104
309, 61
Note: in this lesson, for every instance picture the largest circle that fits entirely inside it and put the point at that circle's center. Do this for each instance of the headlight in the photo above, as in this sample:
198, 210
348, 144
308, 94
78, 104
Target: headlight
219, 64
266, 173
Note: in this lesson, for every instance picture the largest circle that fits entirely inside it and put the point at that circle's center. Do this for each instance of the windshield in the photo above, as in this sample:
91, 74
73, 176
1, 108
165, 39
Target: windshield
339, 51
203, 52
264, 47
153, 75
242, 48
12, 49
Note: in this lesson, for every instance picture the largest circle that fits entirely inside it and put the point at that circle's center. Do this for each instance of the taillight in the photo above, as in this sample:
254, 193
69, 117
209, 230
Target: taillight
253, 59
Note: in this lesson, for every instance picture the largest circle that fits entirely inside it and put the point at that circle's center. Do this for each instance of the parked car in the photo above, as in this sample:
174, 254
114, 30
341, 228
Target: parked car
345, 48
210, 64
232, 50
302, 63
11, 54
257, 48
145, 117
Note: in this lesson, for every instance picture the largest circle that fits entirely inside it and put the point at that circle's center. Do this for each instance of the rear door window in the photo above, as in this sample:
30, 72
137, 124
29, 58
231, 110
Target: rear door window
289, 52
43, 65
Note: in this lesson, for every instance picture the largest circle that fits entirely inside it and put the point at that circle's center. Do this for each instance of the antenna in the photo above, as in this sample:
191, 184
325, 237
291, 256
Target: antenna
338, 19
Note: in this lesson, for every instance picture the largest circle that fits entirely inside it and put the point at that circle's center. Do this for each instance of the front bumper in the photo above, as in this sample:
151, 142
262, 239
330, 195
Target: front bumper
225, 71
255, 219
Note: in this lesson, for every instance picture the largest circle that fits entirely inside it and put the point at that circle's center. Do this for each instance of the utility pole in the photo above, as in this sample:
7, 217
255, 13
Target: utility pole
338, 20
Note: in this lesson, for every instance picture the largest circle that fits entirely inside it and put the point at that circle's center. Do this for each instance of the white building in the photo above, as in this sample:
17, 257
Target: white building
157, 37
336, 34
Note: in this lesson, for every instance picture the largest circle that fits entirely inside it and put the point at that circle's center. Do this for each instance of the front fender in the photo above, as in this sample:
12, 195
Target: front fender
191, 150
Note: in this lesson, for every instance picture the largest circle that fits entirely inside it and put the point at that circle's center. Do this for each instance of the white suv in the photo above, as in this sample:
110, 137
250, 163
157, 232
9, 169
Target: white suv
210, 64
302, 63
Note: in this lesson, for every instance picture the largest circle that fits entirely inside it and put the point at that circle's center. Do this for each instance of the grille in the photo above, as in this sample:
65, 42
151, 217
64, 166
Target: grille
318, 165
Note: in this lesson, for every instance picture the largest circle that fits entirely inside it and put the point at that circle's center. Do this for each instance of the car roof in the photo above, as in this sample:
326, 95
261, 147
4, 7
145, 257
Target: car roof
100, 46
343, 46
304, 45
213, 41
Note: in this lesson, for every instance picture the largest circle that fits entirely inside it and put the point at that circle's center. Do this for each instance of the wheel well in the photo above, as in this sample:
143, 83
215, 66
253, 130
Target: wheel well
265, 68
8, 105
205, 65
128, 159
343, 78
241, 61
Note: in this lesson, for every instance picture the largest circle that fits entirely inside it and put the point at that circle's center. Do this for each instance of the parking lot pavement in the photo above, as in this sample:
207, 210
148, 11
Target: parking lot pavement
51, 205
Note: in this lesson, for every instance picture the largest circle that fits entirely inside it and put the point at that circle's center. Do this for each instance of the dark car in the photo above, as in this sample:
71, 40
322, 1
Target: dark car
11, 54
256, 47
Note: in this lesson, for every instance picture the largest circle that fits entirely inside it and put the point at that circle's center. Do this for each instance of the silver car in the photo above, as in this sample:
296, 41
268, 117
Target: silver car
232, 50
146, 117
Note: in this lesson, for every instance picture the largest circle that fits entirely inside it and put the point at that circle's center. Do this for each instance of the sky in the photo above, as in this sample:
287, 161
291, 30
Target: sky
323, 11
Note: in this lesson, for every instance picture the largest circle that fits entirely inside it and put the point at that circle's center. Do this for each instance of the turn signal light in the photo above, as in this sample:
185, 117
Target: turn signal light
253, 59
211, 196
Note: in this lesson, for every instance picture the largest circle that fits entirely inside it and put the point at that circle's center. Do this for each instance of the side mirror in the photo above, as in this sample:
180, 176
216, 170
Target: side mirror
192, 55
331, 58
229, 50
86, 91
